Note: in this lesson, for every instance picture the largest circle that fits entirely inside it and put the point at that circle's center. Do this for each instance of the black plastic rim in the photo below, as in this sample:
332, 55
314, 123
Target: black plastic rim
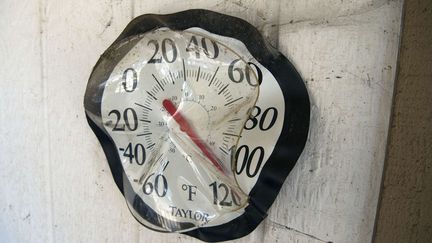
288, 147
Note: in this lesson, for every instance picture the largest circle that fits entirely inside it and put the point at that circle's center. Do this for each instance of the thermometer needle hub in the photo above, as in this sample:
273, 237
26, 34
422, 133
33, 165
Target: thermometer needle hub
187, 128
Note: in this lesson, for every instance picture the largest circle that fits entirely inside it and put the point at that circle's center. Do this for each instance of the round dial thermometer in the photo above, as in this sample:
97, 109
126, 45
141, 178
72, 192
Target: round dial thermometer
201, 121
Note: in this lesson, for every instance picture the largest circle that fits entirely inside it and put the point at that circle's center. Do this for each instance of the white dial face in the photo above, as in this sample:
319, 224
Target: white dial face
181, 109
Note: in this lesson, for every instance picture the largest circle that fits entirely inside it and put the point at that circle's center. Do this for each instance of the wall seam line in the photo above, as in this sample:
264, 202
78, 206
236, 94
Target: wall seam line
48, 170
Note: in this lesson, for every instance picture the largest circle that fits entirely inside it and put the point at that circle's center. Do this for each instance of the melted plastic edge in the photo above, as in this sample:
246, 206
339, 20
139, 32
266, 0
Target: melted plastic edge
296, 121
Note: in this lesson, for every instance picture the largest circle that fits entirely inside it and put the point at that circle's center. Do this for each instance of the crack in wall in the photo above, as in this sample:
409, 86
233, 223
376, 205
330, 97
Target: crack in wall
298, 231
322, 20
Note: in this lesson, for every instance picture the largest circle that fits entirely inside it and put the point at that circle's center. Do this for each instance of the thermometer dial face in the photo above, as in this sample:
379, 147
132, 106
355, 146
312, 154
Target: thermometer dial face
175, 106
200, 127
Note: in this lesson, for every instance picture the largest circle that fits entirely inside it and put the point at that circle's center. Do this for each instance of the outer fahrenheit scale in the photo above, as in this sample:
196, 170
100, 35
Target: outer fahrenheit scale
176, 112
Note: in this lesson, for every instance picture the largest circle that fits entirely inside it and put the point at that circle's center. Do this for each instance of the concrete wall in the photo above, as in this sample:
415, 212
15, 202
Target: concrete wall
55, 182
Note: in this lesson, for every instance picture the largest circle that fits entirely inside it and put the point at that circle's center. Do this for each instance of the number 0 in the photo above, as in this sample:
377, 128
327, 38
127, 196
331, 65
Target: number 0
126, 79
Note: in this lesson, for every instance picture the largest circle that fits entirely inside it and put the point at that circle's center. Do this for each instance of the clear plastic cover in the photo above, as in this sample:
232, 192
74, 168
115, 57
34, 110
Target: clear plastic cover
175, 105
201, 121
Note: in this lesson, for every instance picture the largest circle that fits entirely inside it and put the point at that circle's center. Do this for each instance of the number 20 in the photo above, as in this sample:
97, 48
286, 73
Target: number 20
132, 126
165, 57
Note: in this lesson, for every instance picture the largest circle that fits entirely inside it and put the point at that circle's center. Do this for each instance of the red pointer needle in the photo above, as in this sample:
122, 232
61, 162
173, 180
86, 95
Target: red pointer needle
185, 127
